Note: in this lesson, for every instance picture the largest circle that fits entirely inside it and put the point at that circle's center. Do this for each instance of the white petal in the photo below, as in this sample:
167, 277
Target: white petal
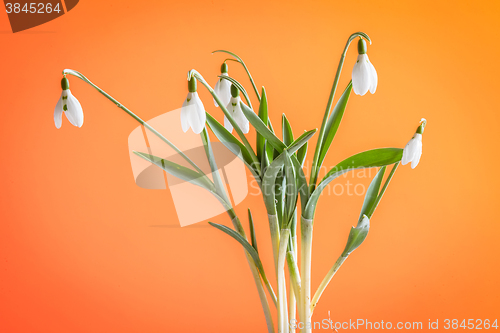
361, 76
58, 113
418, 154
184, 119
197, 115
228, 125
75, 111
374, 79
240, 118
408, 152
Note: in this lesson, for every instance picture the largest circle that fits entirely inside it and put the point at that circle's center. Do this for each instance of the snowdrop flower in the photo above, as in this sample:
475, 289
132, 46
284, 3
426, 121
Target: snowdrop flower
69, 105
364, 75
223, 87
413, 149
193, 112
234, 108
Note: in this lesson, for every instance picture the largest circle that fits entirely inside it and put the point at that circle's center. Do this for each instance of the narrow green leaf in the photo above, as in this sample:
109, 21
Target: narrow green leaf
180, 171
372, 193
262, 129
301, 154
252, 231
219, 185
269, 182
357, 235
301, 141
253, 253
290, 191
263, 115
232, 143
286, 129
333, 123
264, 162
367, 159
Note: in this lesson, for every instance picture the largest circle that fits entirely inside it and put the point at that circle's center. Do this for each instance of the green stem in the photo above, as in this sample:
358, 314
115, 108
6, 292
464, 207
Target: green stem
305, 272
133, 115
315, 168
244, 140
280, 274
246, 70
219, 186
386, 184
326, 281
255, 273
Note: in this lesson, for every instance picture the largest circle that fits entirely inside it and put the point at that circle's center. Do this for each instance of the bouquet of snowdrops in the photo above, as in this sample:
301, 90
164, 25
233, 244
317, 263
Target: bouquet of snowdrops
277, 166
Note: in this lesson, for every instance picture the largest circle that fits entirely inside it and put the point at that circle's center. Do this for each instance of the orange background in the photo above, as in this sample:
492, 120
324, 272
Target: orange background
78, 251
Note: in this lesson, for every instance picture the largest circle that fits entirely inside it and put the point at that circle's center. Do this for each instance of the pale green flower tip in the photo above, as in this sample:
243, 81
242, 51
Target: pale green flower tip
224, 67
235, 92
423, 123
192, 85
64, 83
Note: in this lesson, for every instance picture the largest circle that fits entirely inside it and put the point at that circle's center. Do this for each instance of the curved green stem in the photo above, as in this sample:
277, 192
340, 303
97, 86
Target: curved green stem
305, 271
326, 281
315, 168
245, 67
255, 273
244, 140
133, 115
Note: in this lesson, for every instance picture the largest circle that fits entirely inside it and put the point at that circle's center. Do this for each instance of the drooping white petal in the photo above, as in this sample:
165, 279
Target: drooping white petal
239, 116
361, 75
58, 111
196, 115
234, 109
374, 78
412, 150
223, 90
184, 119
74, 111
227, 124
418, 154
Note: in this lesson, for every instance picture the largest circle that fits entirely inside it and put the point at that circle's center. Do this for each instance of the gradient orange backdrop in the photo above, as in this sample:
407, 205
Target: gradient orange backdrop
79, 249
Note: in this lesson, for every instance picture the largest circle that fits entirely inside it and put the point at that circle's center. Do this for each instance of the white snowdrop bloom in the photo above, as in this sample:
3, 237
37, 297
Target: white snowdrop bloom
413, 149
223, 87
234, 108
193, 113
364, 75
69, 105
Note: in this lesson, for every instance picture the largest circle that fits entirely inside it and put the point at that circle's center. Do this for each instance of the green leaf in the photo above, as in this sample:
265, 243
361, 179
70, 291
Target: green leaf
269, 182
287, 130
263, 115
249, 248
367, 159
372, 193
232, 143
301, 154
300, 142
262, 129
290, 191
180, 171
357, 235
333, 123
264, 162
219, 186
252, 231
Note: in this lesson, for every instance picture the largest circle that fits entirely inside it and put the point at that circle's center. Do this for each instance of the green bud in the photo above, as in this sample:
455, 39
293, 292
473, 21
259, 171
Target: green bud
234, 91
64, 83
192, 85
362, 46
420, 129
223, 68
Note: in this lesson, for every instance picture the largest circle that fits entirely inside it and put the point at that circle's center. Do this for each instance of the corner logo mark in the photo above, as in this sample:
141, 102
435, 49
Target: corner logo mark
28, 14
